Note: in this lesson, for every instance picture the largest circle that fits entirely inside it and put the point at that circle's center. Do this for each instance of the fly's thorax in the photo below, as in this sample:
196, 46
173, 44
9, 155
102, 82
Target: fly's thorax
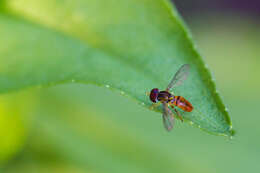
165, 96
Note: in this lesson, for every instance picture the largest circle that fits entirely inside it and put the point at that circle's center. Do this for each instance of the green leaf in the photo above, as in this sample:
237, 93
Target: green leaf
131, 46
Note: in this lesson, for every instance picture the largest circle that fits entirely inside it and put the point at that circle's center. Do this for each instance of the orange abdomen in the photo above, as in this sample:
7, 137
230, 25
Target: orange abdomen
182, 103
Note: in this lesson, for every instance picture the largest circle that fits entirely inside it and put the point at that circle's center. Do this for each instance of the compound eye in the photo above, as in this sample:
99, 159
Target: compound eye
154, 94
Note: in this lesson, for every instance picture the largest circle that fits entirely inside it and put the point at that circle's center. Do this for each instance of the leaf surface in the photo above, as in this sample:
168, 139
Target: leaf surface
132, 46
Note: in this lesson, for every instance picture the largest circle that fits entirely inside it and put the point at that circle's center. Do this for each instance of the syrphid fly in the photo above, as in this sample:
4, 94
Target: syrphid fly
168, 99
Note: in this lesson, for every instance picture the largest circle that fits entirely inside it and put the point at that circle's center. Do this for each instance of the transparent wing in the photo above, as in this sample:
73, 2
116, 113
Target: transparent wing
168, 118
180, 76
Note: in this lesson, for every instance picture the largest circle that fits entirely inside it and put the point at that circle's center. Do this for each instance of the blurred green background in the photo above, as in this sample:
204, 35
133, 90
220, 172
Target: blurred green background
84, 128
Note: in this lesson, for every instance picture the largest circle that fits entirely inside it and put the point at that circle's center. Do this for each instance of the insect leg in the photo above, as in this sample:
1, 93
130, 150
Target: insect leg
178, 113
155, 105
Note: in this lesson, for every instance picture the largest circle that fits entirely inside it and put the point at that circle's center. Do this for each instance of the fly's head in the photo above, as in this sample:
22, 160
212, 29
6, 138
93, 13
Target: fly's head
154, 95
